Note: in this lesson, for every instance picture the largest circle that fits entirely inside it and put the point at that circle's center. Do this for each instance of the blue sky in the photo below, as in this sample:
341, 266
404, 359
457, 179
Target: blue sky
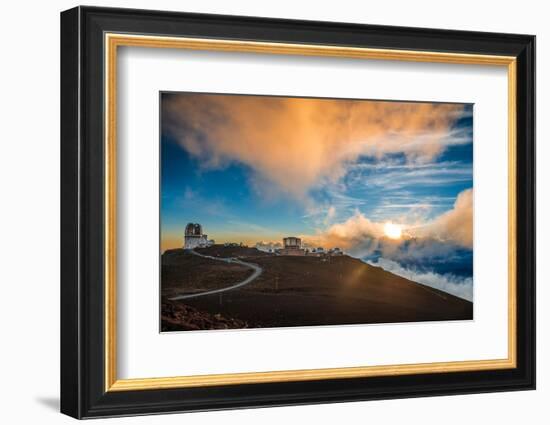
222, 200
258, 168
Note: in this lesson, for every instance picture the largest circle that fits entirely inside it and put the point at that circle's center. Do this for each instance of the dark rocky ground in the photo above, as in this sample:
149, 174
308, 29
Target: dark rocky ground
180, 317
295, 291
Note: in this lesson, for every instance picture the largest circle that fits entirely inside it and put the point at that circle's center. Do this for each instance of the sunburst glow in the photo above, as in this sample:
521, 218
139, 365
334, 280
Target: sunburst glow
392, 231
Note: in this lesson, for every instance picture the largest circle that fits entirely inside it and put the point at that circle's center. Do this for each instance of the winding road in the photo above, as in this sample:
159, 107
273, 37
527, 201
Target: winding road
257, 272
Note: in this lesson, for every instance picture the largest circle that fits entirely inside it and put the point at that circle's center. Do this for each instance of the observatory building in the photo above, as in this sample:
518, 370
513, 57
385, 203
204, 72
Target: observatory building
292, 246
194, 238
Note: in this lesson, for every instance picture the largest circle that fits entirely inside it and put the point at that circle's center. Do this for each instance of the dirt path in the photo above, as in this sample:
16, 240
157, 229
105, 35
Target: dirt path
257, 272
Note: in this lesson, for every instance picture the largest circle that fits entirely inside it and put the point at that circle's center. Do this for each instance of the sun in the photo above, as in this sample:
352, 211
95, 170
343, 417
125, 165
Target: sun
392, 231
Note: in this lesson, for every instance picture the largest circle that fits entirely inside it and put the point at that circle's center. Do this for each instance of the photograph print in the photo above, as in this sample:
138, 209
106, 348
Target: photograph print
295, 211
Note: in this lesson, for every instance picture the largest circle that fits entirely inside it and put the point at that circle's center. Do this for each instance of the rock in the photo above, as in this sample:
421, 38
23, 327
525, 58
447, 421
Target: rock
178, 316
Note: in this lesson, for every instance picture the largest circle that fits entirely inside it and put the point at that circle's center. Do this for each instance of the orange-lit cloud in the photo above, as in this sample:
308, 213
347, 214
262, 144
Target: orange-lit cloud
455, 225
362, 235
293, 144
356, 231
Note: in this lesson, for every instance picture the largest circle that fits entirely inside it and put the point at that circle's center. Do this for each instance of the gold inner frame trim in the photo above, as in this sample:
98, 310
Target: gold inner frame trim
113, 41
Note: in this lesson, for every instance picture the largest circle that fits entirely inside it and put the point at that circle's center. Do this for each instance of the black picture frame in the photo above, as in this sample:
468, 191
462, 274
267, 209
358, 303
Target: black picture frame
83, 392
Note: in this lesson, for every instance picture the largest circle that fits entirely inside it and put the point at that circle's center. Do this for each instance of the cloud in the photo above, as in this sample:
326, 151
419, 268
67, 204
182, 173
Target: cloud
394, 177
427, 255
357, 234
361, 236
293, 144
331, 213
456, 285
455, 225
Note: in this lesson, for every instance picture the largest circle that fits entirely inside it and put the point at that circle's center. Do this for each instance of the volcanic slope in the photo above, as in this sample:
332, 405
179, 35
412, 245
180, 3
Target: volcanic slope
300, 290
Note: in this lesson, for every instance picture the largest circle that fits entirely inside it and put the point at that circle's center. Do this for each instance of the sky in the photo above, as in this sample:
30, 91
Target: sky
335, 172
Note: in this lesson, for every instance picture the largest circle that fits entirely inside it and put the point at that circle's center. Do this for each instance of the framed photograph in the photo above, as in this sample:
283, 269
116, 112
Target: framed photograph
261, 212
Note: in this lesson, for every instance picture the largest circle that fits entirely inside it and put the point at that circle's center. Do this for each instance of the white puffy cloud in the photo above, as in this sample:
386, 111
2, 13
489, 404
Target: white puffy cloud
460, 286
